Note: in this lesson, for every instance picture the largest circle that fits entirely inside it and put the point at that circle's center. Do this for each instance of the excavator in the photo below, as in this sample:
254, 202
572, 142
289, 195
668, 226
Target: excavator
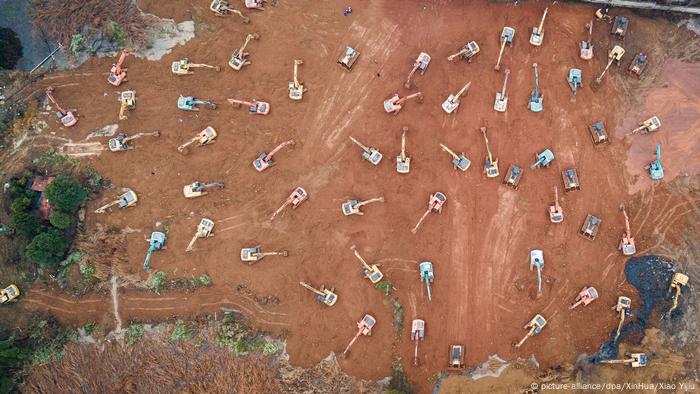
254, 107
575, 79
370, 272
198, 189
264, 159
184, 67
222, 8
587, 46
324, 296
435, 203
417, 335
536, 99
364, 327
295, 199
352, 207
239, 57
467, 52
255, 4
623, 306
370, 154
425, 269
255, 254
204, 137
65, 117
121, 142
570, 179
506, 38
556, 214
590, 227
127, 100
348, 58
535, 325
393, 103
189, 103
128, 199
490, 165
421, 64
598, 133
679, 280
403, 162
6, 229
155, 243
451, 104
601, 14
648, 126
537, 261
456, 357
296, 88
614, 56
204, 230
513, 176
636, 360
627, 245
537, 35
585, 297
117, 74
458, 161
619, 27
501, 102
544, 159
656, 170
639, 63
9, 294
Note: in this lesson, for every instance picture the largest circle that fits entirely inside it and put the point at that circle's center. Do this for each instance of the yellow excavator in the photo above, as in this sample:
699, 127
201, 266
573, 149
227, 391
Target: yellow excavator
184, 67
204, 137
370, 272
127, 100
204, 230
239, 57
623, 306
324, 296
222, 8
9, 294
679, 280
614, 56
121, 142
128, 199
535, 325
296, 87
490, 165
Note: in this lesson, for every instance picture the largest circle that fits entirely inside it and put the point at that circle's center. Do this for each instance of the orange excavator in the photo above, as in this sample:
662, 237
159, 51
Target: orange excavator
435, 203
255, 4
393, 103
627, 242
295, 199
222, 8
556, 214
117, 74
254, 107
65, 117
417, 335
364, 327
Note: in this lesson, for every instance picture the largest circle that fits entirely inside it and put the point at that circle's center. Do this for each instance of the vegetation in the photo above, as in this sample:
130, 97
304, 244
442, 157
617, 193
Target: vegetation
10, 50
60, 219
77, 43
384, 286
12, 358
203, 281
238, 337
398, 317
157, 281
47, 249
133, 334
181, 333
66, 194
115, 33
398, 383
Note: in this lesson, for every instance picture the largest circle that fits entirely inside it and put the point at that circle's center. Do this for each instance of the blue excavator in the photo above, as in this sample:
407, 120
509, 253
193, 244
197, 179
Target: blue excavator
156, 242
656, 171
536, 99
426, 275
189, 103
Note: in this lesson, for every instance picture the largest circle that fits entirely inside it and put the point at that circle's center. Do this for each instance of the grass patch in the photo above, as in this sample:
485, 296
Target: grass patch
181, 333
157, 282
398, 316
134, 333
384, 286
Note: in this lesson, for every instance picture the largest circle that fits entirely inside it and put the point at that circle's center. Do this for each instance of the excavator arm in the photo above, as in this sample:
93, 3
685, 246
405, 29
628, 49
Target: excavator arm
448, 150
460, 53
378, 199
122, 110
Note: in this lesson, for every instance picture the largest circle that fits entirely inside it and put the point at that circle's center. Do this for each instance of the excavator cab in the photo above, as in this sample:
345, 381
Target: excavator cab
598, 133
456, 357
590, 227
127, 101
348, 58
9, 294
198, 189
619, 27
513, 176
128, 199
585, 297
255, 4
570, 179
638, 65
544, 159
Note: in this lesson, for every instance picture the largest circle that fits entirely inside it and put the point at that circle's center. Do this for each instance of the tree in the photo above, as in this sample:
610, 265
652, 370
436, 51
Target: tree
47, 248
65, 193
60, 219
25, 224
12, 358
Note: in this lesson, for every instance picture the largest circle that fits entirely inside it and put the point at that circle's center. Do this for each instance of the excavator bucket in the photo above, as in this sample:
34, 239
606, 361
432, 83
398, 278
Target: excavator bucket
598, 133
570, 179
590, 227
348, 58
513, 176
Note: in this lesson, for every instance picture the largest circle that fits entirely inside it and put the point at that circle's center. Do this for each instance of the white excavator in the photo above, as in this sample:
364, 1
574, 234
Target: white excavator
458, 161
614, 56
198, 189
184, 67
369, 153
537, 35
467, 52
324, 296
451, 104
204, 137
636, 360
222, 8
125, 200
252, 255
120, 143
403, 162
506, 39
501, 102
417, 335
490, 165
205, 229
296, 87
421, 64
352, 207
623, 306
394, 103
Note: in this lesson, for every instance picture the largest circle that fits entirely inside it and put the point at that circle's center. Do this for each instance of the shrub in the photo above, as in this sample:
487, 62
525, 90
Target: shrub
60, 219
133, 334
77, 42
47, 248
181, 333
65, 193
25, 224
20, 204
157, 282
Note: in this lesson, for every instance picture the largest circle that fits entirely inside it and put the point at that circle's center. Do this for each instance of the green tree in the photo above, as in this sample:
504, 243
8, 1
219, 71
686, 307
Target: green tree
60, 219
25, 224
47, 248
12, 358
20, 204
65, 193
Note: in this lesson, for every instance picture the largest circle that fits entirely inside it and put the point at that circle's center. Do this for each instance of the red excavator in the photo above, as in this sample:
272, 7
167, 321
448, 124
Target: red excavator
417, 335
117, 74
364, 327
254, 107
66, 117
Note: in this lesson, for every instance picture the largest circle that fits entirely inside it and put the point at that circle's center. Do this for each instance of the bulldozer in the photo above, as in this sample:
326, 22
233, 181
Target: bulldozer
451, 104
636, 360
120, 143
417, 335
619, 26
264, 159
435, 203
155, 243
239, 57
370, 154
507, 35
598, 133
352, 207
570, 179
537, 35
403, 162
623, 306
456, 357
255, 107
536, 103
614, 56
648, 126
348, 58
513, 176
222, 8
537, 262
501, 103
490, 165
590, 227
467, 52
198, 189
535, 326
393, 103
425, 269
127, 101
587, 46
125, 200
544, 159
458, 161
556, 214
656, 170
184, 67
205, 229
677, 282
65, 117
255, 254
364, 327
421, 63
189, 103
585, 297
255, 4
117, 74
9, 294
204, 137
575, 79
639, 63
295, 199
627, 245
324, 296
296, 87
370, 272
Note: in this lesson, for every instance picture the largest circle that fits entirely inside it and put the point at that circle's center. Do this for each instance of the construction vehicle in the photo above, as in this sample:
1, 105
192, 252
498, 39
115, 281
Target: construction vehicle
598, 133
513, 176
570, 179
467, 52
296, 88
6, 230
627, 245
403, 162
456, 358
417, 335
255, 254
575, 79
393, 103
639, 63
117, 74
585, 297
490, 165
348, 58
614, 56
324, 296
587, 46
535, 325
636, 360
544, 159
556, 214
537, 35
364, 327
425, 269
121, 142
295, 199
536, 99
458, 161
601, 14
9, 294
451, 104
677, 282
537, 261
656, 170
189, 103
264, 160
222, 8
507, 35
155, 243
204, 137
435, 203
370, 154
184, 67
352, 207
648, 126
421, 63
623, 306
204, 230
619, 27
65, 117
501, 103
239, 57
255, 4
128, 199
370, 272
590, 227
198, 189
127, 100
255, 107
